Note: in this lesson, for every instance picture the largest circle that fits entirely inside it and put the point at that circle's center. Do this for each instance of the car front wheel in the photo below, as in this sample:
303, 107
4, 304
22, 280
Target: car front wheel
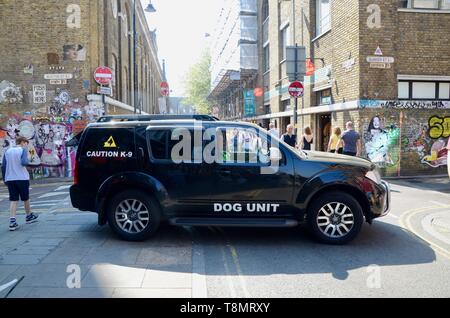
134, 215
335, 218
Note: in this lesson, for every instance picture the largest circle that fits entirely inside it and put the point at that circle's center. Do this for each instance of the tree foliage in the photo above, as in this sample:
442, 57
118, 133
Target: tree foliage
197, 84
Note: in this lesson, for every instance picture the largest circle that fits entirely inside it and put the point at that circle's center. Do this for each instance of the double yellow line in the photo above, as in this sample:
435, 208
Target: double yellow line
405, 222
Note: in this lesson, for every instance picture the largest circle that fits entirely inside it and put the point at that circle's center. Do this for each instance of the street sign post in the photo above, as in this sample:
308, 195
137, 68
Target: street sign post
103, 75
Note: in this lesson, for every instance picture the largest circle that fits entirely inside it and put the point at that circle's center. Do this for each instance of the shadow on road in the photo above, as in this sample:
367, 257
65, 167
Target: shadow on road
277, 251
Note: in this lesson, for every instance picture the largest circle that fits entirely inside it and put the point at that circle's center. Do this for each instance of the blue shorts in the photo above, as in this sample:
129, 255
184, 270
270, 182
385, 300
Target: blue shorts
18, 189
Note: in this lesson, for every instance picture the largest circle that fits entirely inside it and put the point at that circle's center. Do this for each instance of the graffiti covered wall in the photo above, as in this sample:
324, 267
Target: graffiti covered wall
47, 134
406, 142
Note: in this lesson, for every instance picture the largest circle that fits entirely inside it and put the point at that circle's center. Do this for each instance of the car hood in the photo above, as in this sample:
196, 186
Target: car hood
331, 158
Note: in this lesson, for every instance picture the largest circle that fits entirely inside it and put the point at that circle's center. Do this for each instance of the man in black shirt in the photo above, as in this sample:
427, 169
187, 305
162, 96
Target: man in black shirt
289, 137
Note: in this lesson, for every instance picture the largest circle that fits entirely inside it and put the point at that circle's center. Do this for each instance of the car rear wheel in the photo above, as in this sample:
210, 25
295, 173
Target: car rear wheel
134, 215
335, 218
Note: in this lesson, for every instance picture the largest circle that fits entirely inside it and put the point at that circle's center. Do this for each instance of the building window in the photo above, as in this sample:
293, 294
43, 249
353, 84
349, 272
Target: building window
425, 4
427, 90
403, 90
285, 41
115, 77
324, 97
286, 105
266, 58
265, 10
323, 23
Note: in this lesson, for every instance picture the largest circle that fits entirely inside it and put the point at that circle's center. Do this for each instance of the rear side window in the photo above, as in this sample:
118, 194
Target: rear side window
162, 144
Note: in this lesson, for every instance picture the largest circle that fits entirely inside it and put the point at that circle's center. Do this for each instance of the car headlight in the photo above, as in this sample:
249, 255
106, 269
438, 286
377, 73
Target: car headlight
374, 175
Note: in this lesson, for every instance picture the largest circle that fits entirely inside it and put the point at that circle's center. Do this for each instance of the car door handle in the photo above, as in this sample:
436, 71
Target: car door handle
225, 172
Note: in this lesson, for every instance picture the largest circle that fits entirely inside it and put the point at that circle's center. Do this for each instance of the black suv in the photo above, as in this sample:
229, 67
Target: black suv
136, 175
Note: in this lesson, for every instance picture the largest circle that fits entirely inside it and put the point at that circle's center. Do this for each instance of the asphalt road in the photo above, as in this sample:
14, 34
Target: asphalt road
397, 256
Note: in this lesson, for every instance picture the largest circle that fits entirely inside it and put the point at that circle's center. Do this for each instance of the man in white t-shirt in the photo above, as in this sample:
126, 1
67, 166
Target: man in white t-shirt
17, 179
273, 131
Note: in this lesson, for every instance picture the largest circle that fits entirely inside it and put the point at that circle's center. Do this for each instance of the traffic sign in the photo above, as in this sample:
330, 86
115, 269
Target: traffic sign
104, 90
165, 90
296, 89
295, 63
103, 75
378, 51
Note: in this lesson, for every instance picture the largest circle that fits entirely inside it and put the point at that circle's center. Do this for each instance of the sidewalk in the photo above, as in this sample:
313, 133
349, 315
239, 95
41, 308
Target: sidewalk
66, 248
52, 180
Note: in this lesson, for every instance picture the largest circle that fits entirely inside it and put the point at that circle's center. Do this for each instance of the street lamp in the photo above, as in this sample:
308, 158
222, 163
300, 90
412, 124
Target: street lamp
150, 8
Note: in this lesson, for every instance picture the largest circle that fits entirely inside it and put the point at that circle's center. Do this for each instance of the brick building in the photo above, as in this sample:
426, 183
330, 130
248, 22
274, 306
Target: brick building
49, 51
385, 65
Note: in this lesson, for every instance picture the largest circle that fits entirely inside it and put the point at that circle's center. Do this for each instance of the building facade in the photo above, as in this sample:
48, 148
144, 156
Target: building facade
385, 65
49, 51
234, 60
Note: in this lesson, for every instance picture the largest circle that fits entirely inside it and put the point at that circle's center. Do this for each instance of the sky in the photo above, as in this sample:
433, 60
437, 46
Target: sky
181, 27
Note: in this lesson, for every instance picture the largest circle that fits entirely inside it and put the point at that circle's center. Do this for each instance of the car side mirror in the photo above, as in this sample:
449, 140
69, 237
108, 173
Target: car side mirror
275, 154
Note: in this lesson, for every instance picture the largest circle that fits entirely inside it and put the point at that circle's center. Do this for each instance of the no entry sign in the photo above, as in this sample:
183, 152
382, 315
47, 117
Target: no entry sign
296, 89
165, 91
103, 75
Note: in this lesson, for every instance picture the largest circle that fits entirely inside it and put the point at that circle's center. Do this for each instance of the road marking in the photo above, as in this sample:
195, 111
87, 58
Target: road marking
228, 273
393, 216
405, 222
199, 288
235, 257
439, 203
63, 188
52, 194
426, 224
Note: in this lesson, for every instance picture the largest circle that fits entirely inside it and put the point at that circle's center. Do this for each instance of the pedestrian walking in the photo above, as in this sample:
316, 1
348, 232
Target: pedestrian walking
273, 131
352, 141
336, 145
17, 179
289, 137
308, 139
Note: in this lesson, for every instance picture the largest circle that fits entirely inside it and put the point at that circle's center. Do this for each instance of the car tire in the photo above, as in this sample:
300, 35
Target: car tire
335, 218
134, 215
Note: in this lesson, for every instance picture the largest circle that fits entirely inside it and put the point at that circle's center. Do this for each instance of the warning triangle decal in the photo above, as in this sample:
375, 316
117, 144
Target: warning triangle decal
110, 143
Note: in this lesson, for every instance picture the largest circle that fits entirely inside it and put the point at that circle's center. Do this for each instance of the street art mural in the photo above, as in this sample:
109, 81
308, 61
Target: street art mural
382, 142
47, 134
390, 138
10, 93
428, 140
439, 130
47, 153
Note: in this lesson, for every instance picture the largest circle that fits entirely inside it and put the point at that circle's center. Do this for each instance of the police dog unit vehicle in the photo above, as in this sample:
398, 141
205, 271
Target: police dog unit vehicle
137, 174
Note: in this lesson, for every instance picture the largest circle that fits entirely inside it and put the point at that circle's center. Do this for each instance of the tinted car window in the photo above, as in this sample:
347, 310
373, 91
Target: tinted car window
117, 139
161, 145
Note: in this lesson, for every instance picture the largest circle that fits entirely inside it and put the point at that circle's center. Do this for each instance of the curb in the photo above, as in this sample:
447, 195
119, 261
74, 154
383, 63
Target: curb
416, 177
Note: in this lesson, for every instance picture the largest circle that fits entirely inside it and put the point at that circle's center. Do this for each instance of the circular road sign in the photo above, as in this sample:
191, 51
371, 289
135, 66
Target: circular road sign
296, 89
165, 91
103, 75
